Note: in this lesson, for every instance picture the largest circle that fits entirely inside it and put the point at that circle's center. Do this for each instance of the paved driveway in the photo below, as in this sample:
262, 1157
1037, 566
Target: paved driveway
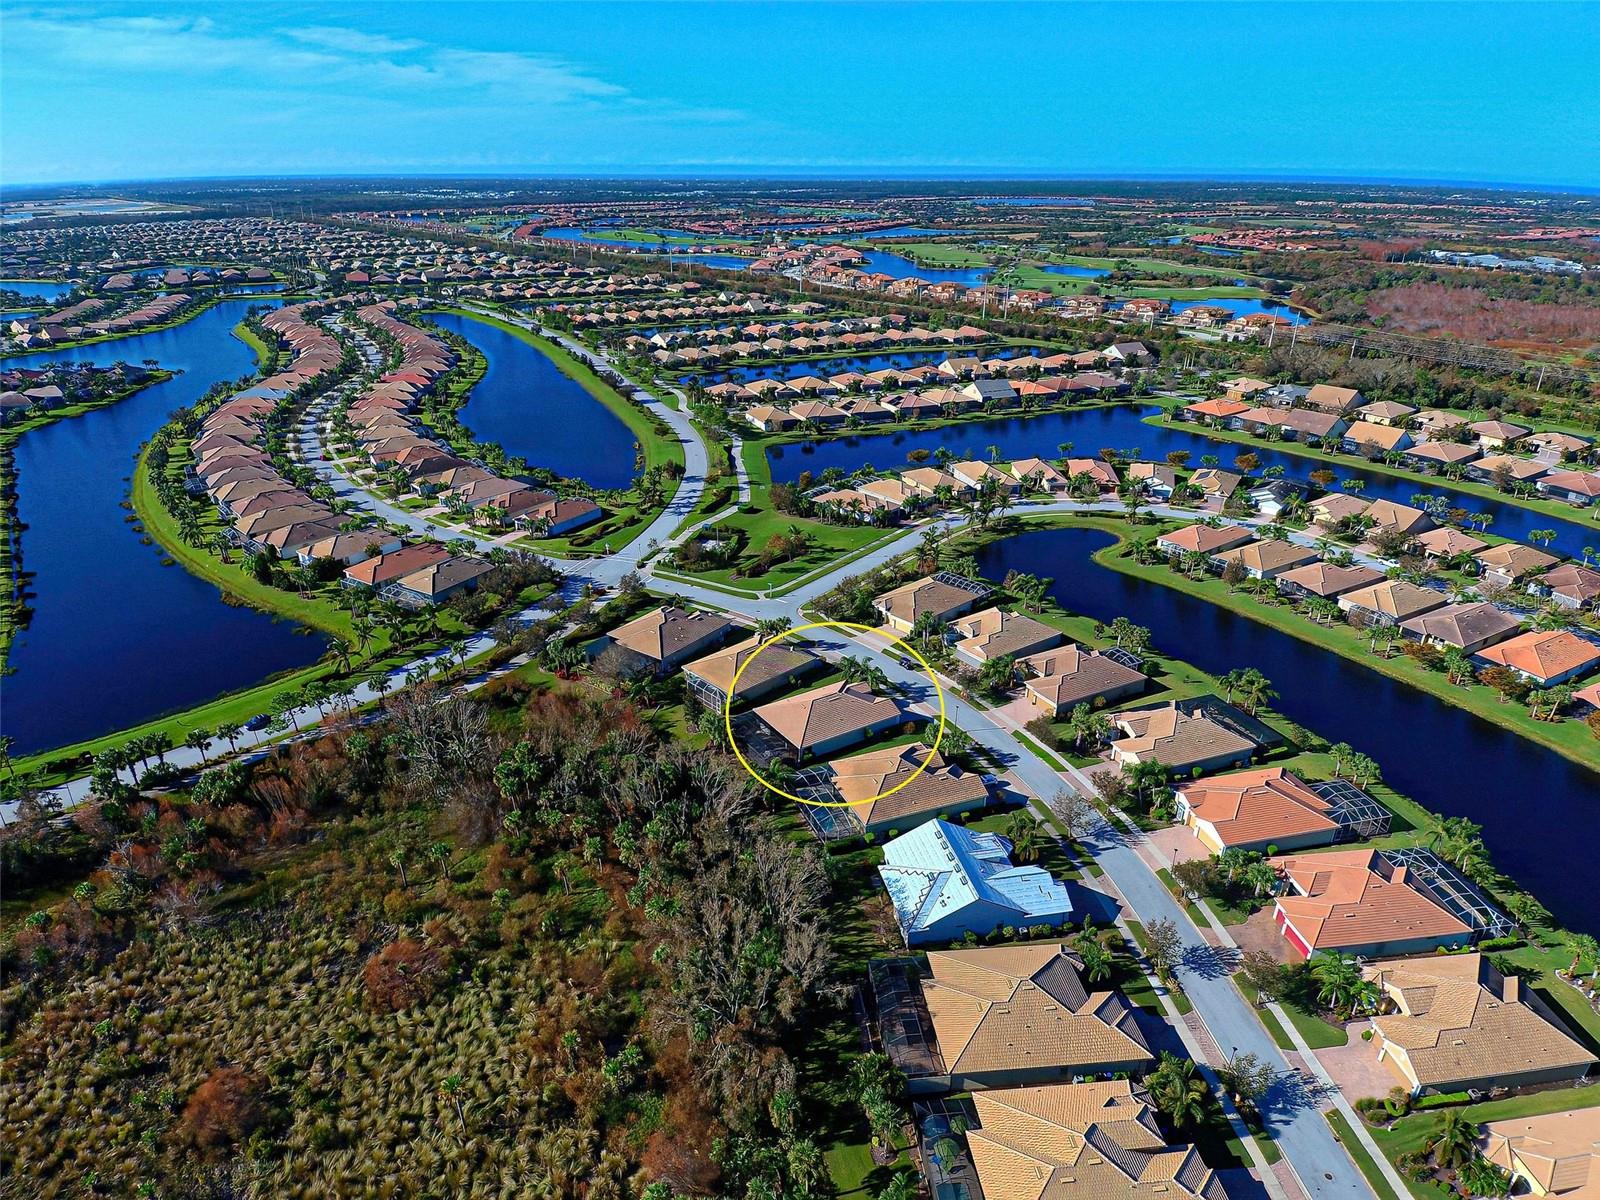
1261, 933
1176, 844
1355, 1066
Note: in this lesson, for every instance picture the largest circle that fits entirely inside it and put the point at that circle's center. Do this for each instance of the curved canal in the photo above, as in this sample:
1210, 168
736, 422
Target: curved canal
116, 638
540, 414
1540, 812
1120, 427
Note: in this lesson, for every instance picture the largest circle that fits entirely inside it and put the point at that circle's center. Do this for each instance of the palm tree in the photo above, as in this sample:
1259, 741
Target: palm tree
1022, 831
1096, 960
197, 740
1455, 1140
1255, 689
859, 670
1338, 980
1178, 1091
230, 733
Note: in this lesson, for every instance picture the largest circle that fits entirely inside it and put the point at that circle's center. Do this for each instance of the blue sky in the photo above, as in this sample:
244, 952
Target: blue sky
1496, 92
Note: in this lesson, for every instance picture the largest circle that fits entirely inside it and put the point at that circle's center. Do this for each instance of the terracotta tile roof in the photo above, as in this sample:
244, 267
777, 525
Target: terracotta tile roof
1257, 806
1329, 580
1206, 539
1459, 1021
1544, 655
1353, 898
1080, 1141
1008, 1008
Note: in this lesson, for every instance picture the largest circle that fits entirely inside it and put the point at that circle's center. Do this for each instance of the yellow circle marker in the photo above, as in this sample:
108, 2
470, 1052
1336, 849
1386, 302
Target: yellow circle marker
733, 688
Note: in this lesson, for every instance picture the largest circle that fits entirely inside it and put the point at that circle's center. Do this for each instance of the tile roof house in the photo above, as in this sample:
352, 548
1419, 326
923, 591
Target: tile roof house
1458, 1024
1057, 680
1326, 580
831, 717
1328, 398
1364, 436
775, 668
1554, 1154
993, 633
946, 881
1251, 810
1510, 563
1448, 542
1357, 902
1469, 627
1391, 602
1008, 1015
1180, 741
1387, 514
1570, 585
940, 789
942, 594
1081, 1141
1548, 657
1203, 539
667, 637
1266, 559
1575, 487
385, 568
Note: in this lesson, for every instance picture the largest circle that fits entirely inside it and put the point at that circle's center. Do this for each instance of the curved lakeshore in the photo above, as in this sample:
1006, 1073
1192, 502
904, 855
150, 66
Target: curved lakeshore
117, 638
1538, 809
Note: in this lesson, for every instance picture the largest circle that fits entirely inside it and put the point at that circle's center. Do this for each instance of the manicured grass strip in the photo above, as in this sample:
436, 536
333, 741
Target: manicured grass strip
1570, 738
1359, 1155
1549, 508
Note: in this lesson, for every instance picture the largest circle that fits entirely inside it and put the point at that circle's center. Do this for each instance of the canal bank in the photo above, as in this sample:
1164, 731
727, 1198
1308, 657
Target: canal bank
117, 639
1123, 427
1538, 809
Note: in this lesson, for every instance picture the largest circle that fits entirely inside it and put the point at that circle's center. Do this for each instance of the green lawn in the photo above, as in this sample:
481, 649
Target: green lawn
1359, 1154
1549, 508
1570, 737
1411, 1133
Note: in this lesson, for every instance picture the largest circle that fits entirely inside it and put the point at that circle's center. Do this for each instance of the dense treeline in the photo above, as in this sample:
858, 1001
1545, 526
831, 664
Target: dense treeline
479, 947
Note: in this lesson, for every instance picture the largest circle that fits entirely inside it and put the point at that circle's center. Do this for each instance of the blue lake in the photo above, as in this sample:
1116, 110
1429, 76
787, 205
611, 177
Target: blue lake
1240, 307
1219, 251
722, 262
1119, 427
900, 267
116, 638
1073, 269
537, 413
41, 289
1540, 812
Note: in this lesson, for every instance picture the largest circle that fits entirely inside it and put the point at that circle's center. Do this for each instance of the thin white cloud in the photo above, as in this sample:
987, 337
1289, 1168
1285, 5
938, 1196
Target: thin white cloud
352, 41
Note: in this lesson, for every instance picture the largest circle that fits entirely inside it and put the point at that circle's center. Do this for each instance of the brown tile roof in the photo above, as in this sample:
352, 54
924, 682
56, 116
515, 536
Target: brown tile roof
1268, 555
1168, 735
827, 712
1395, 598
1463, 624
1069, 675
668, 631
861, 780
1460, 1021
1329, 579
774, 662
1080, 1141
1007, 1008
1206, 539
910, 600
993, 633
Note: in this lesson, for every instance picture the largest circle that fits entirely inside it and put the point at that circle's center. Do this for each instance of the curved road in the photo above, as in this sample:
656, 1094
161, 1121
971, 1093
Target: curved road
1323, 1168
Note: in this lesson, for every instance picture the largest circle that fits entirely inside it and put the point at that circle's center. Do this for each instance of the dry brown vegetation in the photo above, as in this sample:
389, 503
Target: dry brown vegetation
1476, 316
525, 946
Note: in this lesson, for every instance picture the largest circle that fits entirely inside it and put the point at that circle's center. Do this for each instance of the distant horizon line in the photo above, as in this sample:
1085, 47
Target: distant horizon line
942, 175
